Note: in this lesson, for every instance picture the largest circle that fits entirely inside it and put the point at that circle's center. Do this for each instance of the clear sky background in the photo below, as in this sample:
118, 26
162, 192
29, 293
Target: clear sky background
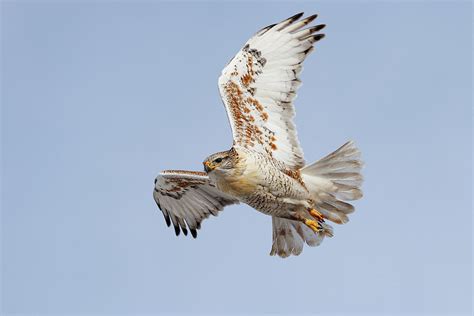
97, 98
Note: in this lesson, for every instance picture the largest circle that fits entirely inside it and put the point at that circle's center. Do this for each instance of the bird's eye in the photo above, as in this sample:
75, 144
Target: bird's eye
218, 160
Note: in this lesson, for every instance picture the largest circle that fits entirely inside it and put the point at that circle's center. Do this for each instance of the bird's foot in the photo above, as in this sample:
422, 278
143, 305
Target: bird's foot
316, 214
314, 225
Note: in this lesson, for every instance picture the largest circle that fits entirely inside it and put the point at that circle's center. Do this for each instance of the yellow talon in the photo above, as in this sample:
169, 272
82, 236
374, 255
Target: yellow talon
314, 225
316, 214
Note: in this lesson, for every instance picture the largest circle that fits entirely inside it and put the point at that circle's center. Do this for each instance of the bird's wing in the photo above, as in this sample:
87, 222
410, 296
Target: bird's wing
259, 84
188, 197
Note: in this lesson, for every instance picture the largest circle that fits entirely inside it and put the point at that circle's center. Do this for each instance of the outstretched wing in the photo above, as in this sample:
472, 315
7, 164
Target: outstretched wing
188, 197
259, 84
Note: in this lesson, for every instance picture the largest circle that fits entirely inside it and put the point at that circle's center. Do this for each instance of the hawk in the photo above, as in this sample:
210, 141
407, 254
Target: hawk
265, 167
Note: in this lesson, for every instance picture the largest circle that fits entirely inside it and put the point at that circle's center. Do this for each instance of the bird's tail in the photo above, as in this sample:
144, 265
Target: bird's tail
332, 180
290, 236
335, 179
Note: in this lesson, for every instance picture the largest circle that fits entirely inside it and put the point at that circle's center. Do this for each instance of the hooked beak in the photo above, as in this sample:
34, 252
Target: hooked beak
208, 167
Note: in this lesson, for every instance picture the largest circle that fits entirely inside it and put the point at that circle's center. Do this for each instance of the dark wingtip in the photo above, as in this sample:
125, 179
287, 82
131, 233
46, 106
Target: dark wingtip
265, 29
176, 230
193, 232
309, 50
310, 19
295, 17
318, 37
157, 203
318, 27
165, 214
185, 231
167, 219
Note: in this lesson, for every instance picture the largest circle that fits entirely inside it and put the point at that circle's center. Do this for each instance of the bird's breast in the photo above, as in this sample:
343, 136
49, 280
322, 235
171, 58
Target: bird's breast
239, 187
241, 182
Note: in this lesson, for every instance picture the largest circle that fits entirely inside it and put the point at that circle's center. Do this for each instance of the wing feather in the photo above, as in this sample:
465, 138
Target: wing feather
259, 84
186, 198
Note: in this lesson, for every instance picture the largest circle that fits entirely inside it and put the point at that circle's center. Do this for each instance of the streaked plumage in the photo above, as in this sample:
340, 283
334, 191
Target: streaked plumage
265, 167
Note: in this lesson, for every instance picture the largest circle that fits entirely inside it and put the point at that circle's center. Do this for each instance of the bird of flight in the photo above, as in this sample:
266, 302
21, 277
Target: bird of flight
265, 167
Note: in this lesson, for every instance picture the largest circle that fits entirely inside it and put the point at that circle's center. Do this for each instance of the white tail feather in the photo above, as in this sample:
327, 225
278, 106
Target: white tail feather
334, 179
290, 236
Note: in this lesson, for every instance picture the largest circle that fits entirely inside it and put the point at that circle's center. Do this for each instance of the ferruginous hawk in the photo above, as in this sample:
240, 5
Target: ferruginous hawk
265, 167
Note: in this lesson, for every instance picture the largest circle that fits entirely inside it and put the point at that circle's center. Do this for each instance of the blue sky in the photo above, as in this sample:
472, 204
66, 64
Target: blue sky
97, 98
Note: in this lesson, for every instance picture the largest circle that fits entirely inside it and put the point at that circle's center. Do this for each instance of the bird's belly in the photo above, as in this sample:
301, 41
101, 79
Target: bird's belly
260, 197
272, 205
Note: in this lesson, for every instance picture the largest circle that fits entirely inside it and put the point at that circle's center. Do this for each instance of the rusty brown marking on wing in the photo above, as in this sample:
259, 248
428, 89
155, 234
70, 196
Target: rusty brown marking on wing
245, 110
181, 172
254, 102
180, 184
236, 101
295, 174
247, 78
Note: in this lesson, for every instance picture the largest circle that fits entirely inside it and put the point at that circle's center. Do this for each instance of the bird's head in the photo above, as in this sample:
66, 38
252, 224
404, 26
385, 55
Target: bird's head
221, 161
